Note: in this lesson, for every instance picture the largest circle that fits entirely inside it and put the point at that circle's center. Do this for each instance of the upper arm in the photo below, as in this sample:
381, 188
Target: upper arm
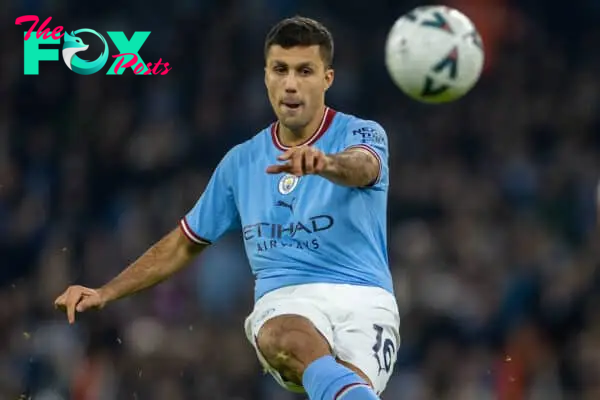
215, 213
370, 137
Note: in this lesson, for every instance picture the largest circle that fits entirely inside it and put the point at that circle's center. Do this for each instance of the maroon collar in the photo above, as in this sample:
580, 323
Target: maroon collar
325, 124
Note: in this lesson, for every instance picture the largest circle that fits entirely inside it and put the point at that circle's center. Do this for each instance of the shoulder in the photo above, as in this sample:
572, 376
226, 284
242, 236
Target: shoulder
243, 152
362, 124
361, 128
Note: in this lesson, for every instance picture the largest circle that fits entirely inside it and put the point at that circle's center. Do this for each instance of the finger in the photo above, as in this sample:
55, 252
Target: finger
308, 162
89, 298
60, 301
87, 303
287, 155
89, 292
297, 164
320, 163
279, 168
73, 297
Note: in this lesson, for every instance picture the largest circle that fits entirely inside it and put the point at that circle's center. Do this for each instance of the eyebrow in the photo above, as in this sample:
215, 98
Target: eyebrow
300, 65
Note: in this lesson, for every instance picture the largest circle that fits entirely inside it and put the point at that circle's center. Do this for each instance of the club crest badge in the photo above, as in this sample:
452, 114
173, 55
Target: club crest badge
288, 183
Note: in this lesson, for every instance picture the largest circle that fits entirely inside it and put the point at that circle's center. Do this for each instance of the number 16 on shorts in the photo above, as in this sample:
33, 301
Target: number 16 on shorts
384, 351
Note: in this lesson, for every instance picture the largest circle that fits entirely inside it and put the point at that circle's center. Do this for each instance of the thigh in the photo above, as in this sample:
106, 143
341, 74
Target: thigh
289, 301
290, 343
368, 339
289, 305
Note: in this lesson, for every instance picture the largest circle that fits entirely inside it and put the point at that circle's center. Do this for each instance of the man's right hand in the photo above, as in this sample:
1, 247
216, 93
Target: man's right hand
170, 254
78, 299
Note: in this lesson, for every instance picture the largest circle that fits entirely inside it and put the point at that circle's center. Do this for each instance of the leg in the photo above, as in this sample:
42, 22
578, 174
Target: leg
292, 345
356, 370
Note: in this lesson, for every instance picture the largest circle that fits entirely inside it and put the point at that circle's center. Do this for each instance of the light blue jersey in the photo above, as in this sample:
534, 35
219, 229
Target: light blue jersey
300, 230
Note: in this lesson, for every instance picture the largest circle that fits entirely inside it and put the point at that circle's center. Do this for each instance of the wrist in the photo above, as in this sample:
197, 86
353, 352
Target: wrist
105, 294
330, 165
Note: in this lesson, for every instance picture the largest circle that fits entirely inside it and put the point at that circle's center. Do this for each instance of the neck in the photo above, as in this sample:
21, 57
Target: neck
293, 137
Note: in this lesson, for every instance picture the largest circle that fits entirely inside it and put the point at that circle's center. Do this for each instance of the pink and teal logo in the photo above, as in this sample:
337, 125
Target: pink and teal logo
73, 45
128, 56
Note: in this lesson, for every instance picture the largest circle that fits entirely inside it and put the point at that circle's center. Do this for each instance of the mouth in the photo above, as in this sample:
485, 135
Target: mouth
291, 105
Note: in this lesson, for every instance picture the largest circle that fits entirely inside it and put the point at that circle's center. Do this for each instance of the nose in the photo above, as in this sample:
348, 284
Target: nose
291, 83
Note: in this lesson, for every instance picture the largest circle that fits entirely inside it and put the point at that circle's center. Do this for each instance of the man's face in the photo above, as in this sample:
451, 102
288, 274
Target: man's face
296, 80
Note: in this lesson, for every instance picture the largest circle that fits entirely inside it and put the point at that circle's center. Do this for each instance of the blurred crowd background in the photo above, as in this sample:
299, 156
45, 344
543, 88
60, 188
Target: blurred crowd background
492, 239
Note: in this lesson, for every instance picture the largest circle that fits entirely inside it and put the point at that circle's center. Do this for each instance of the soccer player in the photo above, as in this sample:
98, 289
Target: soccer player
309, 194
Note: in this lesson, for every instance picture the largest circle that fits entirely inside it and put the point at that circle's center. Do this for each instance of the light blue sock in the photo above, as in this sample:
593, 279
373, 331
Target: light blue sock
325, 379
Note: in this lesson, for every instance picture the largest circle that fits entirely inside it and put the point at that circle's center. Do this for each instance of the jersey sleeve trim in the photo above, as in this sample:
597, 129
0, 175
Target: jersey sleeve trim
190, 234
370, 150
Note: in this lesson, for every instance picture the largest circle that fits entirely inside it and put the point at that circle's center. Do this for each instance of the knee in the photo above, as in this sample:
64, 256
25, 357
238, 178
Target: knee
291, 343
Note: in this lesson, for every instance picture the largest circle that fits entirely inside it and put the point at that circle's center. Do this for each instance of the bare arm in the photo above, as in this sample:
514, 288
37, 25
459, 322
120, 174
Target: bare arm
354, 167
168, 256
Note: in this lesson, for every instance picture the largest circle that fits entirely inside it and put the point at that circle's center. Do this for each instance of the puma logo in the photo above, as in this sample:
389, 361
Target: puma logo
289, 206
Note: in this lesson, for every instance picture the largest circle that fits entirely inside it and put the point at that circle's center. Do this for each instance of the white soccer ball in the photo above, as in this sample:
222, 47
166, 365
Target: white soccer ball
434, 54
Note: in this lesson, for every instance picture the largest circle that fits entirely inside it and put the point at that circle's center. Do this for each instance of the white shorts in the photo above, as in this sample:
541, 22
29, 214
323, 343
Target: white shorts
360, 323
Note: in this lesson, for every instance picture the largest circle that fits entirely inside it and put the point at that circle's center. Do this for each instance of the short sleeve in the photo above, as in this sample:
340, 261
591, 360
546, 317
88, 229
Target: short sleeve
215, 213
371, 137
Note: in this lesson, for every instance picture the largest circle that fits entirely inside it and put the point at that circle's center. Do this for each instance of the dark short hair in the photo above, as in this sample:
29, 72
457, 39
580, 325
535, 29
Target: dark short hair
301, 31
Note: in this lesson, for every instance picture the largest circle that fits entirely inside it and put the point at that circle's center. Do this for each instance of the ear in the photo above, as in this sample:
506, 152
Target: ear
329, 75
265, 78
